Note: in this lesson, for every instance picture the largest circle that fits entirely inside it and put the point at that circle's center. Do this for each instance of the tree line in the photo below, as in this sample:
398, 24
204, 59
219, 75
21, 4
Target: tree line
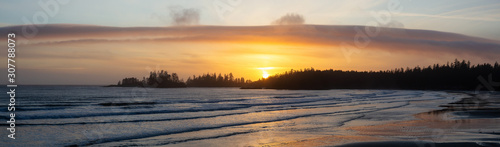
162, 79
451, 76
457, 75
212, 80
156, 79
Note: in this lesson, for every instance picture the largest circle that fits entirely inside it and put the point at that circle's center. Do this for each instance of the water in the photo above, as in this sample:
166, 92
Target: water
122, 116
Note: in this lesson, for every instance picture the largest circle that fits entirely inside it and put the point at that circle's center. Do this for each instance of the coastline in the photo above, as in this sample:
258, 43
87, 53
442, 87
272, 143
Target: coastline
219, 116
470, 121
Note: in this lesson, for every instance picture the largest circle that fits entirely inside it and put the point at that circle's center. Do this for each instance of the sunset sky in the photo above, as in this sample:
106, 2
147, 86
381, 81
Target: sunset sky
100, 42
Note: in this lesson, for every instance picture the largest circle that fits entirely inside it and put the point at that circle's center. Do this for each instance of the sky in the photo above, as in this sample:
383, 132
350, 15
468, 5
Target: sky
100, 42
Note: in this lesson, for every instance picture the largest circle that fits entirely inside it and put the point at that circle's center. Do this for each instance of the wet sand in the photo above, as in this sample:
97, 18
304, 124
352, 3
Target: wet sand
417, 144
471, 121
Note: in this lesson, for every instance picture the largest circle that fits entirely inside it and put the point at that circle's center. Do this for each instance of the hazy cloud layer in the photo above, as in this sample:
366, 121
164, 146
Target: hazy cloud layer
70, 51
388, 39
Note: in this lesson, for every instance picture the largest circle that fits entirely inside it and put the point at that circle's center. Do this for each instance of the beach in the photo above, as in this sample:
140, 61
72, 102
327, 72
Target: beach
132, 116
470, 121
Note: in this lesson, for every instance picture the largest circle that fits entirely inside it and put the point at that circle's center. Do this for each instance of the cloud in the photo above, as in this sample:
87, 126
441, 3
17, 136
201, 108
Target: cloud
237, 49
289, 19
390, 40
184, 17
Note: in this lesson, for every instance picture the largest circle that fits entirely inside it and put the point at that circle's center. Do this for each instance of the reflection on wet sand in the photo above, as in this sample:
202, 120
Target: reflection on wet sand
471, 121
474, 116
326, 141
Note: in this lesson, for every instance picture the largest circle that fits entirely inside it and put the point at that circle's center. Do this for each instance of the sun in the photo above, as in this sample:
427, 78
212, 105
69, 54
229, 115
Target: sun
265, 75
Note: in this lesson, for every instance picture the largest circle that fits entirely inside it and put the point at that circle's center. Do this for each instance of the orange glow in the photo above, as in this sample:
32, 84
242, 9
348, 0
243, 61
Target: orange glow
265, 74
249, 52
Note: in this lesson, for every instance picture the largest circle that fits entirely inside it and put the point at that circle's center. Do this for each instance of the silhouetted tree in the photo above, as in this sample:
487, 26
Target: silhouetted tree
157, 79
211, 80
452, 76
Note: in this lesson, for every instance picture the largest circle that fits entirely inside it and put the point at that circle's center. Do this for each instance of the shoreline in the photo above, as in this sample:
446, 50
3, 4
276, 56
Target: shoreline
470, 121
475, 116
417, 144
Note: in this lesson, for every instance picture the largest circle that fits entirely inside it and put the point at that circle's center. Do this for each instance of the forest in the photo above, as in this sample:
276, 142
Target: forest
451, 76
162, 79
457, 75
156, 79
212, 80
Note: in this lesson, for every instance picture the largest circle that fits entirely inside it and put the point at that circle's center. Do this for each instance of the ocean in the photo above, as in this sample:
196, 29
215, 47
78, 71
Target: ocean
132, 116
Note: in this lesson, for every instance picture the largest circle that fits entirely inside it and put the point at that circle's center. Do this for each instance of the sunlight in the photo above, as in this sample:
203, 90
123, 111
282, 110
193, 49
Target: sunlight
265, 68
265, 74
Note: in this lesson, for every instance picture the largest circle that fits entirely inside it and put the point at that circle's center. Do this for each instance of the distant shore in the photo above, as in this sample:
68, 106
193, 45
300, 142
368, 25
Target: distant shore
457, 75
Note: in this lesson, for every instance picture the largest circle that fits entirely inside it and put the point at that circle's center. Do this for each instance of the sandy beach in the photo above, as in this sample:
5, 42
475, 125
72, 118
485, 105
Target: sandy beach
213, 117
471, 121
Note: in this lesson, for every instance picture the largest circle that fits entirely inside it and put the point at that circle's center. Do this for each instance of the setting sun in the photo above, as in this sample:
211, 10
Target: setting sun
265, 74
